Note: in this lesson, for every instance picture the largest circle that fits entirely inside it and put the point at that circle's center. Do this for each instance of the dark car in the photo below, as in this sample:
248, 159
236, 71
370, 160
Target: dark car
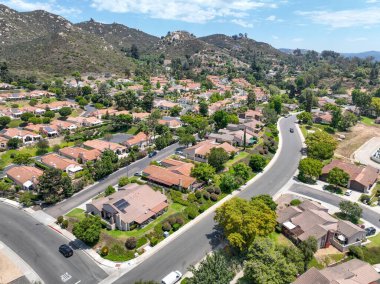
152, 154
291, 130
370, 231
66, 250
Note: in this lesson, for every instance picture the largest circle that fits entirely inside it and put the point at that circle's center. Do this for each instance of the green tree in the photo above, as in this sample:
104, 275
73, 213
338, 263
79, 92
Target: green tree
26, 116
26, 198
242, 221
338, 177
203, 172
135, 52
147, 102
295, 256
348, 120
266, 264
49, 113
228, 183
109, 190
22, 159
42, 146
127, 100
4, 187
175, 111
267, 199
53, 184
203, 108
309, 169
305, 117
88, 230
336, 117
186, 139
351, 210
270, 115
217, 158
123, 181
251, 99
214, 269
86, 90
320, 145
277, 104
362, 100
13, 143
121, 121
4, 120
308, 247
221, 119
242, 171
257, 162
65, 111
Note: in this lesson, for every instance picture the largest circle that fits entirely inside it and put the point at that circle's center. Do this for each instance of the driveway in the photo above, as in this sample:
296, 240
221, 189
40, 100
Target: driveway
364, 153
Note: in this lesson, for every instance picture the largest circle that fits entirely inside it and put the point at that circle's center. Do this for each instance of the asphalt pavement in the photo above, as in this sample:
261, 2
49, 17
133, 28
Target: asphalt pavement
195, 243
38, 246
368, 214
67, 205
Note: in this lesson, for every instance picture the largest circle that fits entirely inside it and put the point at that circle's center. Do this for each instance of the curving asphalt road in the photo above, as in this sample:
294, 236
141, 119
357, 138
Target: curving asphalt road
193, 244
368, 214
38, 246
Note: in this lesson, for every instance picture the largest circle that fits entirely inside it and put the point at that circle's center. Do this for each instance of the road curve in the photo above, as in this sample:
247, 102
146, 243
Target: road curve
193, 244
38, 246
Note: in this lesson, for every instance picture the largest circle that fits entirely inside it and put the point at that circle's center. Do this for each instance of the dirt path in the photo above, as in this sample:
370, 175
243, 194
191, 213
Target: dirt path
358, 135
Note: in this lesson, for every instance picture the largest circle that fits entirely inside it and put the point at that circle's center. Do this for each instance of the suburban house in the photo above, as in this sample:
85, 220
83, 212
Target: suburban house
362, 178
99, 113
173, 173
132, 205
3, 143
85, 121
139, 116
311, 219
24, 176
102, 145
252, 114
233, 137
200, 151
80, 154
64, 164
164, 104
62, 125
171, 122
322, 117
27, 137
47, 130
57, 105
140, 140
354, 271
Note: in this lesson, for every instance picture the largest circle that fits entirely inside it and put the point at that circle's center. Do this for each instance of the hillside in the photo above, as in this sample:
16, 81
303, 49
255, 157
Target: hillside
119, 35
363, 55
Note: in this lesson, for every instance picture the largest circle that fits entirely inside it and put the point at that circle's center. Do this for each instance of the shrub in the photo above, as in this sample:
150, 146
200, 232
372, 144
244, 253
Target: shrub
214, 197
153, 241
179, 220
171, 220
176, 227
104, 251
65, 224
59, 219
206, 195
191, 212
356, 252
191, 197
166, 226
217, 190
142, 241
203, 208
198, 194
210, 190
295, 202
365, 198
131, 243
123, 181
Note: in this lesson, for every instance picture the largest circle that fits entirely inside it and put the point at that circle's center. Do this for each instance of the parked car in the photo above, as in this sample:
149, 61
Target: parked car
152, 154
348, 192
138, 174
370, 231
172, 277
179, 153
66, 250
291, 130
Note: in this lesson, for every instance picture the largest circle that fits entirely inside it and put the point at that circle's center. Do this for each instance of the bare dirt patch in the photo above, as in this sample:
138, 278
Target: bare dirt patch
358, 135
8, 270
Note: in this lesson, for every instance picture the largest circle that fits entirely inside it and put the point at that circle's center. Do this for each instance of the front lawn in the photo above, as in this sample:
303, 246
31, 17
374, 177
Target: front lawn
6, 157
236, 159
372, 250
76, 213
132, 130
367, 121
14, 123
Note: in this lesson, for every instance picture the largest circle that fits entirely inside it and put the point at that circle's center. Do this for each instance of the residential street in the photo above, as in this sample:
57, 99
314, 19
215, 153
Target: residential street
81, 197
368, 214
38, 245
193, 244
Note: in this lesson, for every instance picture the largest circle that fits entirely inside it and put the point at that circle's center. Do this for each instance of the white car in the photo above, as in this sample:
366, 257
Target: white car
348, 192
172, 277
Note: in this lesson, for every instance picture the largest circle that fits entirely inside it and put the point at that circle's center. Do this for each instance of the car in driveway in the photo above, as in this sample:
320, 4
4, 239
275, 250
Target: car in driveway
65, 250
348, 192
370, 231
172, 277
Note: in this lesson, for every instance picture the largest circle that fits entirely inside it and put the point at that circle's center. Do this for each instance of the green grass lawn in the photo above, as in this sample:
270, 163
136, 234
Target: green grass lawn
304, 131
138, 233
236, 159
367, 121
14, 123
280, 239
132, 130
76, 213
6, 157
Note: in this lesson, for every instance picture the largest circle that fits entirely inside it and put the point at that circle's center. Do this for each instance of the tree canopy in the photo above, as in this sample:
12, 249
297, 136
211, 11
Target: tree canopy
217, 158
320, 145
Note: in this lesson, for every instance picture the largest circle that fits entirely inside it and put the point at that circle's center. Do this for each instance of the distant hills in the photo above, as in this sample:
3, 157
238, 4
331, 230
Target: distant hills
361, 55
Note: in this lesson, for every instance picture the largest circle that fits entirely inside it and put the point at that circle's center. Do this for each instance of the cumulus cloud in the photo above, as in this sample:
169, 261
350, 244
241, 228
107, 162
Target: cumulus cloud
195, 11
242, 23
344, 18
50, 6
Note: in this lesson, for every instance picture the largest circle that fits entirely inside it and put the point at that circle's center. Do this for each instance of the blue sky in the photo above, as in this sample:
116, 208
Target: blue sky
340, 25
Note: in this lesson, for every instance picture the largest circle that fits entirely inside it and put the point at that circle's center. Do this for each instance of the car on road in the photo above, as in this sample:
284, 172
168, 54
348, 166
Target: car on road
291, 130
152, 154
138, 174
348, 192
370, 231
66, 250
179, 153
172, 277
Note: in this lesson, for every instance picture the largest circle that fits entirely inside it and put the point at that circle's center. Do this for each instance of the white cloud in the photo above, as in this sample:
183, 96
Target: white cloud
271, 18
242, 23
50, 6
275, 37
195, 11
345, 18
297, 39
372, 1
356, 39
